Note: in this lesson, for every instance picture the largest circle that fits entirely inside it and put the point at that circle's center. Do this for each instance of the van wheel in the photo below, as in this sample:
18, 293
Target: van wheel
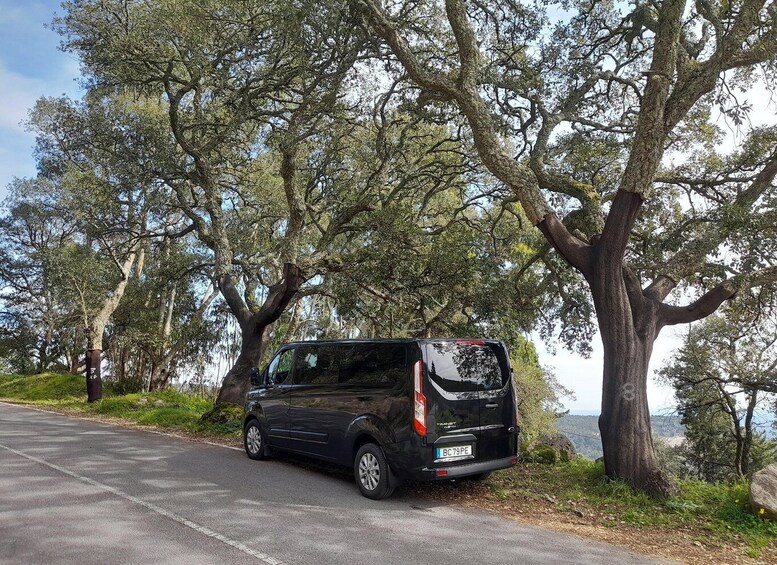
372, 472
253, 441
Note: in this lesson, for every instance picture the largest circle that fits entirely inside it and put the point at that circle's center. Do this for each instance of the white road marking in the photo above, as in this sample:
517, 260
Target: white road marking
222, 445
154, 508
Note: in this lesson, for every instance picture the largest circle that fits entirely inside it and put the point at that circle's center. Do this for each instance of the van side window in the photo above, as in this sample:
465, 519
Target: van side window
280, 366
372, 364
315, 365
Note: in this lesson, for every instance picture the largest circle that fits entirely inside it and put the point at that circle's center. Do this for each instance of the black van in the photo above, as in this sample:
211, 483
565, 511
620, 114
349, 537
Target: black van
392, 409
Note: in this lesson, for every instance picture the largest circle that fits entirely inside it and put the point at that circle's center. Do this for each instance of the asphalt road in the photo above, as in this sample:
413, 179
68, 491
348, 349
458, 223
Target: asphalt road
74, 491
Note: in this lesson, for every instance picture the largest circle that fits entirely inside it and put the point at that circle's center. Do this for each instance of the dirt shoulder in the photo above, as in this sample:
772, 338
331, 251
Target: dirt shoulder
534, 498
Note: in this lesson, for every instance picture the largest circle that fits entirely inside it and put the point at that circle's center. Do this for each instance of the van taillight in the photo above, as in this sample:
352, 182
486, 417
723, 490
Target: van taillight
470, 342
419, 404
515, 403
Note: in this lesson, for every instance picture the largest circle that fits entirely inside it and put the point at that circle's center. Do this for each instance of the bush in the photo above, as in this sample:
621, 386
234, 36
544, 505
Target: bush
540, 454
125, 386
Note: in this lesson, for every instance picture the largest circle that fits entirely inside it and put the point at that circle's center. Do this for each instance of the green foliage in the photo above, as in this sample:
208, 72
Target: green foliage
226, 416
127, 385
722, 376
539, 393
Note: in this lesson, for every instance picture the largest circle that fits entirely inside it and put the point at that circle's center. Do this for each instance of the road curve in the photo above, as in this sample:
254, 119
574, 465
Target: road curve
76, 491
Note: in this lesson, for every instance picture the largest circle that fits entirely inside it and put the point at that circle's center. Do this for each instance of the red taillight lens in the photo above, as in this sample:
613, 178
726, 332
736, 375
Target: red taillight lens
470, 342
419, 404
515, 403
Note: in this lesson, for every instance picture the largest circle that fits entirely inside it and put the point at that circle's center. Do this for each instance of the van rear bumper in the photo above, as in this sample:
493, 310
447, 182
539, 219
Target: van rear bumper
430, 474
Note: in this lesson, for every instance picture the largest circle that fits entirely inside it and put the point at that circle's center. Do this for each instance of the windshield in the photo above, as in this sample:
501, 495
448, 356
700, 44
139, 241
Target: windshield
464, 366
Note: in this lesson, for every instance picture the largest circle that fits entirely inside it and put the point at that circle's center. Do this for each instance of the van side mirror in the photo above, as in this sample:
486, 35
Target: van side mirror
256, 377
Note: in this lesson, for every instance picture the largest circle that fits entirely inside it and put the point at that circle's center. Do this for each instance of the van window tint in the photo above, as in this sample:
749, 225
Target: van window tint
464, 367
280, 366
372, 364
315, 365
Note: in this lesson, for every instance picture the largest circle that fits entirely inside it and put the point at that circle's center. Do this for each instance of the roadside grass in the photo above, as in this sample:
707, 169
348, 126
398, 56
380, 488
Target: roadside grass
706, 523
45, 386
167, 409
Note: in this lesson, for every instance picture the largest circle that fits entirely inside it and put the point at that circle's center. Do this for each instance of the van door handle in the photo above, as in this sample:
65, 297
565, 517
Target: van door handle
492, 405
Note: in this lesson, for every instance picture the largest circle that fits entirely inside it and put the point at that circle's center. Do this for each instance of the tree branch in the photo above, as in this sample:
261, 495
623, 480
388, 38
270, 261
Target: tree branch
711, 301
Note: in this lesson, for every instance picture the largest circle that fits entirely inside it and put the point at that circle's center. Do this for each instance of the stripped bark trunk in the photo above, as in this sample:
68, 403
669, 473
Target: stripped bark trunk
624, 423
94, 383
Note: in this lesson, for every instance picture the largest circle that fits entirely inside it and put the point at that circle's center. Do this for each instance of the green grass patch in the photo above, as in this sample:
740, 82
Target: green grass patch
46, 386
168, 409
718, 512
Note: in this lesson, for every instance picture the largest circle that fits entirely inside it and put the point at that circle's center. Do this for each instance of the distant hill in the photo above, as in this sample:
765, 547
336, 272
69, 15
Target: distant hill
584, 431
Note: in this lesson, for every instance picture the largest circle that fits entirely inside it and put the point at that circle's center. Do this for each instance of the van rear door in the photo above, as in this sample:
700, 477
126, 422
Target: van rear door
472, 394
497, 408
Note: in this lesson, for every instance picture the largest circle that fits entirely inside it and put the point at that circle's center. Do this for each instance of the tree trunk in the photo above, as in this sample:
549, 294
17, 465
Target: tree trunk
74, 363
254, 329
747, 444
159, 377
124, 362
94, 384
140, 370
629, 326
237, 380
624, 423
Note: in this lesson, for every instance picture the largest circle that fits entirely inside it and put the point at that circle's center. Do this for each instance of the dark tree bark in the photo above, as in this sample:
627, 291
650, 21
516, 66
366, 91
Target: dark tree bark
629, 320
94, 384
254, 330
624, 422
159, 378
123, 362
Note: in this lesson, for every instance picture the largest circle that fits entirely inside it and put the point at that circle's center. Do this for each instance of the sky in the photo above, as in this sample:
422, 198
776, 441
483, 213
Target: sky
32, 66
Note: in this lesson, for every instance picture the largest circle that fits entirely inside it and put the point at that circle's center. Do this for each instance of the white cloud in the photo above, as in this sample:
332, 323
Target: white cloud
18, 94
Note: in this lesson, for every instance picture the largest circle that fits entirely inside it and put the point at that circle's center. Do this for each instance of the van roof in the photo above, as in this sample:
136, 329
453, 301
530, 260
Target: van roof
390, 340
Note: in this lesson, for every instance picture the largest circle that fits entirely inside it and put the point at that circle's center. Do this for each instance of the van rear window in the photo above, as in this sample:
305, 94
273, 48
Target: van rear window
464, 366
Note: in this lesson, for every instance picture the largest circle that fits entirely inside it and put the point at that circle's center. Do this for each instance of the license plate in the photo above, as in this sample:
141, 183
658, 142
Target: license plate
454, 452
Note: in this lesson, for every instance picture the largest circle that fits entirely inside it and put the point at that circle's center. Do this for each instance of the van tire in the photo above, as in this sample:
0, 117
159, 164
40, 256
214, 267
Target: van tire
372, 473
254, 442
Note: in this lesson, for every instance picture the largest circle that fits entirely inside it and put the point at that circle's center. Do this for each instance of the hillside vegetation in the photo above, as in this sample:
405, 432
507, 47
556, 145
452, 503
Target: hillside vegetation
583, 431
